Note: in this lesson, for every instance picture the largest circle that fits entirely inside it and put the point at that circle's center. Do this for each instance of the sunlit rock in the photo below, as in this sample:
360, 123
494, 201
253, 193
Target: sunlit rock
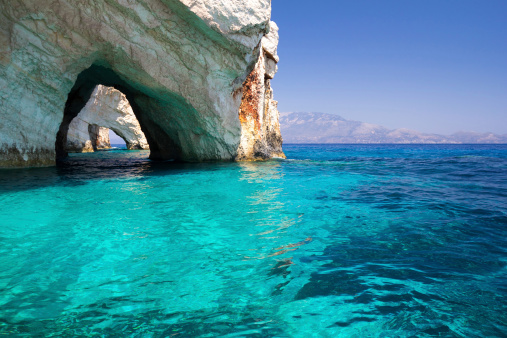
99, 137
261, 137
107, 109
180, 64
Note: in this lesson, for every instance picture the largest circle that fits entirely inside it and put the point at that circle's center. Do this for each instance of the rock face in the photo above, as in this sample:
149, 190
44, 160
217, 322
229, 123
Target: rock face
258, 113
182, 66
86, 138
99, 137
107, 109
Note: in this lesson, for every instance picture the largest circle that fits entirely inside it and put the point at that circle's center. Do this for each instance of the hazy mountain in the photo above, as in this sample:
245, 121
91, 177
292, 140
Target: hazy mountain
328, 128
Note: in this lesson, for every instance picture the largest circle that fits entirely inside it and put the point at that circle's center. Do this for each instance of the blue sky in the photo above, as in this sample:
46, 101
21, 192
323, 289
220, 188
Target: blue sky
431, 65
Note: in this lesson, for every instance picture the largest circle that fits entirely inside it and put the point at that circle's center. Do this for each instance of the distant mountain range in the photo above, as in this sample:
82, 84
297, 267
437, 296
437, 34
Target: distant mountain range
329, 128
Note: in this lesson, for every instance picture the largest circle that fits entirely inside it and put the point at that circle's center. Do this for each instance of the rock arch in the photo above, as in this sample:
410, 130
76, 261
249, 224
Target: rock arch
106, 109
82, 92
181, 64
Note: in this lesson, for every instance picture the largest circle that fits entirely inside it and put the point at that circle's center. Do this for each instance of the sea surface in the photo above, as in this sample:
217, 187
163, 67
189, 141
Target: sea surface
336, 241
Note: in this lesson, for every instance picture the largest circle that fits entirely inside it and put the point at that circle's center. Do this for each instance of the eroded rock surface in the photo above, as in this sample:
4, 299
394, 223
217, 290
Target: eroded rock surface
181, 65
107, 109
99, 137
258, 113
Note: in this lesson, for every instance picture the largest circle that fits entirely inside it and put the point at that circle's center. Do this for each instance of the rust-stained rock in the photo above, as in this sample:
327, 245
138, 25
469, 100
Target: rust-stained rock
258, 114
181, 64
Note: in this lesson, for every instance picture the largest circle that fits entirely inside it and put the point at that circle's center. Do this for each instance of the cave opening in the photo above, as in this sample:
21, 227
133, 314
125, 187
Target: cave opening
107, 111
116, 141
161, 144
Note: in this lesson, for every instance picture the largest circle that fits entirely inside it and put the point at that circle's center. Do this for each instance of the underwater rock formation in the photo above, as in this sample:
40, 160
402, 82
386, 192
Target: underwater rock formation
107, 109
181, 64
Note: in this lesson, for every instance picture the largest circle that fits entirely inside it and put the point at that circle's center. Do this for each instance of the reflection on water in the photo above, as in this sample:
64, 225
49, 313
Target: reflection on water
342, 241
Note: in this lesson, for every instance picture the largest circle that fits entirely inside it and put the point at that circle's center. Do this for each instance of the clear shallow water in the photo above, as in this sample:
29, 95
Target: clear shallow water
338, 241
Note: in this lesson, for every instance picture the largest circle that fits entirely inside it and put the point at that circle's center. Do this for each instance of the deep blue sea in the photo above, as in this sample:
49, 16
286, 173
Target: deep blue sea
336, 241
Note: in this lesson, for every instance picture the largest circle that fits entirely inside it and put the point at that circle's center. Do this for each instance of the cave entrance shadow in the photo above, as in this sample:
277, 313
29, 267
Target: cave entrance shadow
162, 146
80, 169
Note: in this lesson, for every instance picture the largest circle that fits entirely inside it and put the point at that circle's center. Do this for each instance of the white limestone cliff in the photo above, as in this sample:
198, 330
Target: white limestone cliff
107, 108
243, 21
261, 137
182, 66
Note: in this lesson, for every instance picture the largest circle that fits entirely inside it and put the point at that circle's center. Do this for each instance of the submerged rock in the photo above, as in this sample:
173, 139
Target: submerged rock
107, 109
182, 66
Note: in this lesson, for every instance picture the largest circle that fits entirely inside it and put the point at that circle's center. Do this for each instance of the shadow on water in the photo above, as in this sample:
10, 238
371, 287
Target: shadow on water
79, 169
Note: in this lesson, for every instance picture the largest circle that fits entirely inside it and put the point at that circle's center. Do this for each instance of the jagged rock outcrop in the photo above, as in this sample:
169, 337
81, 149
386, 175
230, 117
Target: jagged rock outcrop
107, 109
86, 138
258, 113
99, 136
181, 65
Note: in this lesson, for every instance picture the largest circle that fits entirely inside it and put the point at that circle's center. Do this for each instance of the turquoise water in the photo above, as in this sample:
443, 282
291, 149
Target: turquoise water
337, 241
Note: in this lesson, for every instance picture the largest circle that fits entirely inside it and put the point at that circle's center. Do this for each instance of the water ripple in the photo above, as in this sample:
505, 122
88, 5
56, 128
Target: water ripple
338, 241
